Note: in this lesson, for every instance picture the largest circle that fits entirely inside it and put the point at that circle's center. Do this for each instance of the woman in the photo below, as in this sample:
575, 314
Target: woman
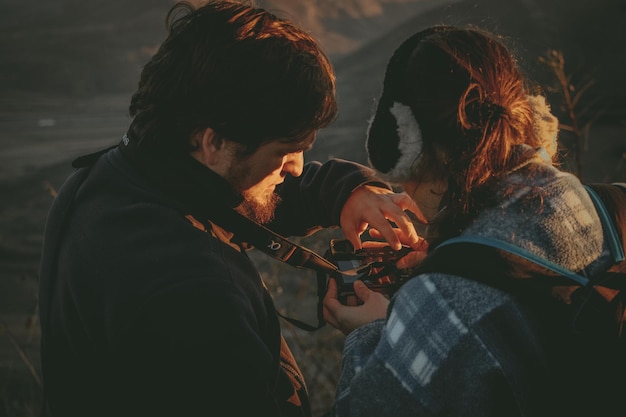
467, 136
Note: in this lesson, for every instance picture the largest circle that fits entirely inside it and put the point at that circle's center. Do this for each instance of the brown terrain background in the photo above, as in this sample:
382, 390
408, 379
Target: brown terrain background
68, 68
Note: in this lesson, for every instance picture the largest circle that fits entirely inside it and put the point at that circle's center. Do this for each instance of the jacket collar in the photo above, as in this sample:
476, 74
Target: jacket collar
181, 177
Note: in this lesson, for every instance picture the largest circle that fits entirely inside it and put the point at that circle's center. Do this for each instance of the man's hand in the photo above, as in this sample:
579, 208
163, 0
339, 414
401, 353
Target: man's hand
374, 207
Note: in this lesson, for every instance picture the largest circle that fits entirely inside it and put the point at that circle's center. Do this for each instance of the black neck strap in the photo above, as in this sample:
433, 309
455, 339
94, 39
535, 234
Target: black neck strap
284, 250
167, 172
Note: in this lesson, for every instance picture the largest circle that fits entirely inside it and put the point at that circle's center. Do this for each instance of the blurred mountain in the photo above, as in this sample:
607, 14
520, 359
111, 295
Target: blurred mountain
343, 26
83, 47
77, 48
91, 47
88, 49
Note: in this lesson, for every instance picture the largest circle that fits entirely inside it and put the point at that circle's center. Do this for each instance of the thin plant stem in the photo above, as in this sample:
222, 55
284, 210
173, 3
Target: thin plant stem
22, 354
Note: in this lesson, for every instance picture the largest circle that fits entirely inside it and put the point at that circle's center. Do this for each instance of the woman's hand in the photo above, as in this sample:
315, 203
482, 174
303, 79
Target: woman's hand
410, 260
347, 318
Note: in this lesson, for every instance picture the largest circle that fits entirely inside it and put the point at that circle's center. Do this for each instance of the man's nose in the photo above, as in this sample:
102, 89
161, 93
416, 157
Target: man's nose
294, 164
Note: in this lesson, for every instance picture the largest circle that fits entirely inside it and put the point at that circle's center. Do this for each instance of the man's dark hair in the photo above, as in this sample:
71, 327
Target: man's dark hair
242, 71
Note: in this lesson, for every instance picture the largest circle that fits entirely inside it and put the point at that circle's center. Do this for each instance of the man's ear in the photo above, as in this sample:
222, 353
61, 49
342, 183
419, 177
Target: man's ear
207, 146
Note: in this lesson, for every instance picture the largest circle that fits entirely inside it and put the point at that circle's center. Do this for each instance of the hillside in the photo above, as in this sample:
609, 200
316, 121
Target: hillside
82, 48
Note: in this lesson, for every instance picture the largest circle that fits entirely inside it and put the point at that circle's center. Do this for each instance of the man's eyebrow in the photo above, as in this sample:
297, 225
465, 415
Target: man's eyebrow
299, 146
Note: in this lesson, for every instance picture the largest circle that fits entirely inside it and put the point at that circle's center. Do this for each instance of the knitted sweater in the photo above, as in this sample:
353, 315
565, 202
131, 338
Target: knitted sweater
451, 346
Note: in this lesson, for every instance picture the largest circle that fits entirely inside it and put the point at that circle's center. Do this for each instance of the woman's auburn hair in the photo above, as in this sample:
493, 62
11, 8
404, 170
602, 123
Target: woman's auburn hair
474, 113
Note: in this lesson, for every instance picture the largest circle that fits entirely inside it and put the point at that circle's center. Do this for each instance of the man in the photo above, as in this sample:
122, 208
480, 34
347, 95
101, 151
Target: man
149, 304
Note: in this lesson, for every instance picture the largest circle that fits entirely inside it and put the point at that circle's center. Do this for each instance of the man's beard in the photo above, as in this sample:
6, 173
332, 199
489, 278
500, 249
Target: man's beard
259, 211
258, 208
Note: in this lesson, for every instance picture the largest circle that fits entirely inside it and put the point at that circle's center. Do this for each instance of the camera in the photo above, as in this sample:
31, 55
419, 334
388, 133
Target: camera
375, 266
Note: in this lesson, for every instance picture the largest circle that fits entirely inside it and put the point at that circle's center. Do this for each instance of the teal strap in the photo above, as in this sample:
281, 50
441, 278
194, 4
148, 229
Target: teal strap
516, 250
610, 232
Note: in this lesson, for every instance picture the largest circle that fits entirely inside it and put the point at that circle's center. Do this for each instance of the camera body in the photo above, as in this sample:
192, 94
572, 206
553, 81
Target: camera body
375, 266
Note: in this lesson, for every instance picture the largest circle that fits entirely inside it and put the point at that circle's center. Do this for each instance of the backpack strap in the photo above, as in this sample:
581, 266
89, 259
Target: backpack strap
591, 298
516, 250
614, 199
609, 223
614, 238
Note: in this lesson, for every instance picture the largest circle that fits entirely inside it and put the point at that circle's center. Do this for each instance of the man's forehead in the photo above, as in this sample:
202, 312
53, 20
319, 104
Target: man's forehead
304, 144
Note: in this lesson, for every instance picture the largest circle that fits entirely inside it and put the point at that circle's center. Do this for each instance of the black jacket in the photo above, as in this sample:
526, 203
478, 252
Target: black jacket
148, 309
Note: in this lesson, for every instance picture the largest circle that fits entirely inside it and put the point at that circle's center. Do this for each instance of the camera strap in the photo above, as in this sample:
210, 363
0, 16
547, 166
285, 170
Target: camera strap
281, 248
166, 173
